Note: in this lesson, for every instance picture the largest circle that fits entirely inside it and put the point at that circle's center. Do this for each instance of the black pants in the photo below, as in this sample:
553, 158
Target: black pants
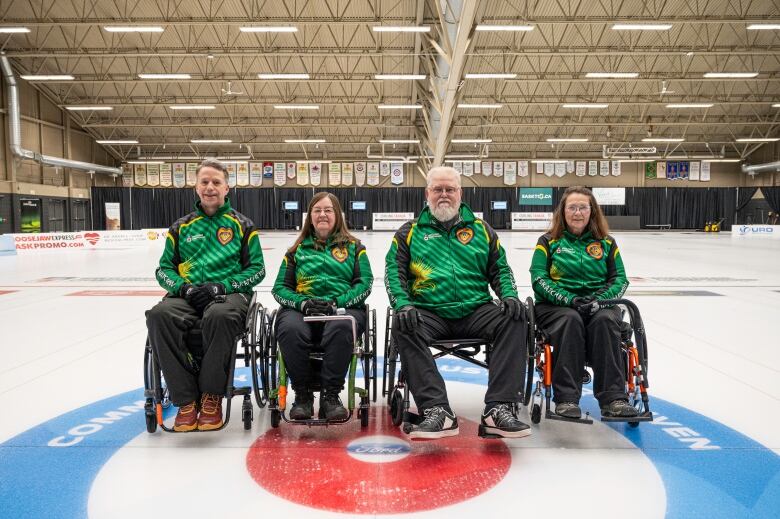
296, 339
168, 322
575, 341
506, 367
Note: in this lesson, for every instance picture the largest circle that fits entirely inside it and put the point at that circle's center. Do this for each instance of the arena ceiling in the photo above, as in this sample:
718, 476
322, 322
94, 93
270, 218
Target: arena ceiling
548, 59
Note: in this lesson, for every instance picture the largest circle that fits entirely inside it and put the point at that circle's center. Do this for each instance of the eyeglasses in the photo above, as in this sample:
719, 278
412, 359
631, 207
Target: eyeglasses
318, 211
448, 190
572, 209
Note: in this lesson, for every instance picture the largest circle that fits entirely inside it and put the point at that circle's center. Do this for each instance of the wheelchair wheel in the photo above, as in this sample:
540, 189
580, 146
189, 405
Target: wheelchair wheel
536, 413
151, 418
246, 414
633, 424
531, 360
396, 407
363, 412
259, 334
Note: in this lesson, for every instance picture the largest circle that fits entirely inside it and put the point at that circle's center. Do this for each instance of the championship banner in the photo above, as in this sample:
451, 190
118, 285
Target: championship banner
303, 174
231, 169
178, 174
372, 173
539, 168
604, 168
593, 168
255, 174
468, 169
569, 166
671, 170
166, 179
334, 173
705, 172
315, 173
694, 173
458, 166
347, 170
153, 175
661, 170
477, 167
127, 175
522, 168
650, 170
384, 169
560, 169
360, 173
397, 173
487, 168
510, 173
549, 169
268, 170
615, 168
291, 170
191, 174
280, 173
580, 169
242, 173
140, 174
498, 169
682, 170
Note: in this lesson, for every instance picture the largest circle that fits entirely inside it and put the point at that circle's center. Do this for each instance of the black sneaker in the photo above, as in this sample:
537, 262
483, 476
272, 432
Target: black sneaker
331, 407
303, 408
619, 409
438, 423
568, 410
501, 421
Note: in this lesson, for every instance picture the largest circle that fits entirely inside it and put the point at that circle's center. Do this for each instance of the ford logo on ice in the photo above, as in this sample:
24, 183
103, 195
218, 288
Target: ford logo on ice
378, 449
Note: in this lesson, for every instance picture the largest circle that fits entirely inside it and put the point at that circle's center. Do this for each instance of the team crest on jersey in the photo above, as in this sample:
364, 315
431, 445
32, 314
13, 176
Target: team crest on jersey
595, 250
339, 253
464, 235
225, 235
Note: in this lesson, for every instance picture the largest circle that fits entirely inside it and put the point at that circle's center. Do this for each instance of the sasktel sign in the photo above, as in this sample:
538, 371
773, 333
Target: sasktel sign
758, 231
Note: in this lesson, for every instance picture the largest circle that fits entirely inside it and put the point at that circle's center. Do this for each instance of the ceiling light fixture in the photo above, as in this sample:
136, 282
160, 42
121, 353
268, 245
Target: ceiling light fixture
724, 75
211, 141
641, 27
758, 139
48, 77
117, 141
164, 76
268, 29
763, 27
401, 28
283, 76
399, 107
510, 28
192, 107
612, 75
133, 28
399, 76
297, 107
663, 139
13, 30
567, 139
89, 108
490, 75
690, 105
584, 105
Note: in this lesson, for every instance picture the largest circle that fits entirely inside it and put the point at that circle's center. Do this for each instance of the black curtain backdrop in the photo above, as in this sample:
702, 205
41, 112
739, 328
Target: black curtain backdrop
683, 208
744, 195
772, 196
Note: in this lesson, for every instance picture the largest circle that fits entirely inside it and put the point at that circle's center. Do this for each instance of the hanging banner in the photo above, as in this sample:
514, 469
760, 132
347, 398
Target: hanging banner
539, 168
191, 174
580, 169
166, 177
615, 168
153, 175
671, 170
560, 169
477, 167
113, 217
705, 172
604, 168
127, 175
178, 174
661, 170
510, 173
140, 175
458, 166
650, 170
231, 169
549, 169
268, 170
593, 168
255, 174
569, 166
498, 169
302, 176
372, 174
396, 173
360, 173
487, 168
291, 170
334, 173
347, 172
280, 173
522, 168
315, 173
682, 170
694, 174
384, 169
468, 169
242, 173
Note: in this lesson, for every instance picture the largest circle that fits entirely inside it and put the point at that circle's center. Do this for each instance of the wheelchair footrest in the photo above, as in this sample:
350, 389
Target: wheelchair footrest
643, 417
552, 416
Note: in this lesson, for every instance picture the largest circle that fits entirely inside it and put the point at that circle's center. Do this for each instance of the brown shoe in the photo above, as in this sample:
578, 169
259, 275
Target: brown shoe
210, 412
186, 418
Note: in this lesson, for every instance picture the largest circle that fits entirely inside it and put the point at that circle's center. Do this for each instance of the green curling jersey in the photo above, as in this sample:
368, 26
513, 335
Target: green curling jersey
332, 271
577, 266
447, 272
223, 248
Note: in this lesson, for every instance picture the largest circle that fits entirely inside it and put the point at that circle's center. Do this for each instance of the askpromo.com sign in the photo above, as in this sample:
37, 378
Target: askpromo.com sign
535, 196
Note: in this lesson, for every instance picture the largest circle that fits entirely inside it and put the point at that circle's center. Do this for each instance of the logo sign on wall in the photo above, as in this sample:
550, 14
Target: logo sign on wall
535, 196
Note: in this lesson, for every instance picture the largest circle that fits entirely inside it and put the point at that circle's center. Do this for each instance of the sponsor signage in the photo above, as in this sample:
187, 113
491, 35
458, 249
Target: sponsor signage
535, 221
756, 231
390, 221
535, 196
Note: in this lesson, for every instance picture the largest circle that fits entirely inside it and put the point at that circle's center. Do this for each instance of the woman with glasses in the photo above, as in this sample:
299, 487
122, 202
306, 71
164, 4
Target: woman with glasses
575, 265
325, 269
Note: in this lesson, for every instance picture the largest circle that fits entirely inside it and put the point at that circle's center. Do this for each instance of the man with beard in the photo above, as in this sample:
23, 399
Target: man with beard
437, 274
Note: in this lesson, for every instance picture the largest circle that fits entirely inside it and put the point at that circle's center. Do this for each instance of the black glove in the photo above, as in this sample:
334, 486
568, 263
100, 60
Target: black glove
512, 307
214, 290
195, 296
408, 319
318, 307
586, 306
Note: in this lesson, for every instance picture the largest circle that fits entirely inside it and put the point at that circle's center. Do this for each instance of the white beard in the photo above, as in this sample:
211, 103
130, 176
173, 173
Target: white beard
444, 213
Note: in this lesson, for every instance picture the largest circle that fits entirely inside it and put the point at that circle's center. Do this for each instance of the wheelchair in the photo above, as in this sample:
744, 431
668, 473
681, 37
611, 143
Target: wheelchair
269, 368
156, 392
633, 345
396, 390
